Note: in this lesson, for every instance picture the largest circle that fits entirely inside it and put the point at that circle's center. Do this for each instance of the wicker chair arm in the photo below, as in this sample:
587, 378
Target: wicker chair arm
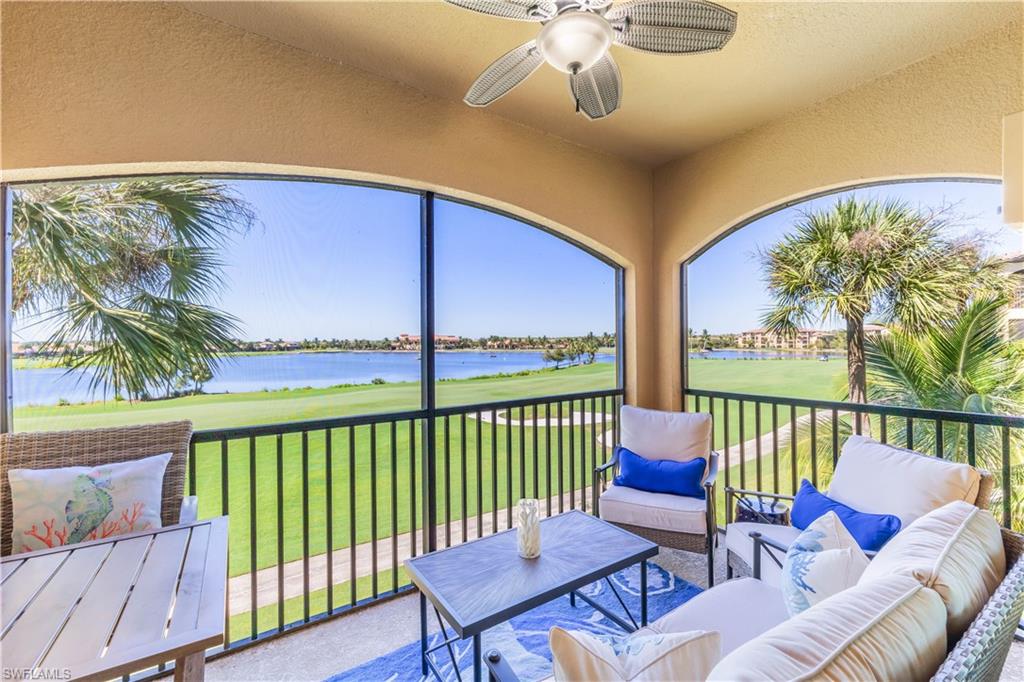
498, 669
607, 465
189, 509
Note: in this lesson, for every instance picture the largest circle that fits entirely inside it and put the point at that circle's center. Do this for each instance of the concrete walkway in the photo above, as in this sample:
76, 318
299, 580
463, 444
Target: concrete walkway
240, 586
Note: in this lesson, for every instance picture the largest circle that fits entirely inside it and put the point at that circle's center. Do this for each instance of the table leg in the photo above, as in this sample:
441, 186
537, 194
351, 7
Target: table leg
572, 599
423, 633
643, 593
190, 668
477, 659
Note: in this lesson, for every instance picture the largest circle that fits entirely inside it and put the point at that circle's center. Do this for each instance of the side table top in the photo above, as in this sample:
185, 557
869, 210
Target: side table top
104, 608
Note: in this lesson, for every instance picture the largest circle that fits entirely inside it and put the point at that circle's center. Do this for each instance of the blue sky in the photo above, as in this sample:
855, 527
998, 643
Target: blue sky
342, 261
727, 294
337, 261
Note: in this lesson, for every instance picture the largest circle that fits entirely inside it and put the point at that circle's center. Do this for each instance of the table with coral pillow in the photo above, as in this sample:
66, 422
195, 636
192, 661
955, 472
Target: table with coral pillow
105, 608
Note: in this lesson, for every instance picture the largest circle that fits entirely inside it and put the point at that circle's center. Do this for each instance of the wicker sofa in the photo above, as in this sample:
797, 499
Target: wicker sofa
744, 609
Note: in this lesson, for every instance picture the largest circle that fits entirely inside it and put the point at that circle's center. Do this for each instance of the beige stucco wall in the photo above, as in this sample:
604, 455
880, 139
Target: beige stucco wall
102, 88
939, 117
110, 88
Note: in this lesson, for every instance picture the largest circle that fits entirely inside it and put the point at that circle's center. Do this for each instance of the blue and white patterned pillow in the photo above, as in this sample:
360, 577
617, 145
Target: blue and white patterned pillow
823, 560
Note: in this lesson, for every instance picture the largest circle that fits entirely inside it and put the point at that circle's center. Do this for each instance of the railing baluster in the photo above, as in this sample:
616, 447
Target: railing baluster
561, 501
572, 457
494, 471
775, 448
522, 454
394, 506
743, 448
1007, 490
373, 509
508, 467
696, 403
479, 476
971, 445
857, 421
940, 450
353, 597
725, 448
794, 433
883, 429
329, 514
757, 444
280, 532
711, 411
253, 583
588, 469
412, 486
547, 455
814, 447
463, 487
192, 469
536, 457
305, 526
447, 483
910, 433
835, 439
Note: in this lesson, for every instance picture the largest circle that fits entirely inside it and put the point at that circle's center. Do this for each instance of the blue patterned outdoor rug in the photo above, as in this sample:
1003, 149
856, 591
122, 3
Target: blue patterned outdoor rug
524, 640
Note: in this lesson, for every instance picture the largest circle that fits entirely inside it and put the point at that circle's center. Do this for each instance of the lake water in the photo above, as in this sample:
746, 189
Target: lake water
45, 386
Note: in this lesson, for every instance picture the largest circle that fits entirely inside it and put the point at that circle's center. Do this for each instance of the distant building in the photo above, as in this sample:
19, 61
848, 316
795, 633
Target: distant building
802, 339
412, 341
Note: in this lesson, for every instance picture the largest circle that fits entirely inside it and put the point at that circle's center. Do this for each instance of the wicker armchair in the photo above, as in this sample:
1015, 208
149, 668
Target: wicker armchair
52, 450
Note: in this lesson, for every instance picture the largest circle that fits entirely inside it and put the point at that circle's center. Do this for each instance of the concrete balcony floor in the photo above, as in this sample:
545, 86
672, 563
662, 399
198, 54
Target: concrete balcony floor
319, 652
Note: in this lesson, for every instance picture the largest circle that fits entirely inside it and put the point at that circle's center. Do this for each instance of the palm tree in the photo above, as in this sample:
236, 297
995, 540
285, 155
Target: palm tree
863, 258
121, 274
965, 365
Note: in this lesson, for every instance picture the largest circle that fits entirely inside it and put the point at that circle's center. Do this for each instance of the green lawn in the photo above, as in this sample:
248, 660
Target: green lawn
384, 472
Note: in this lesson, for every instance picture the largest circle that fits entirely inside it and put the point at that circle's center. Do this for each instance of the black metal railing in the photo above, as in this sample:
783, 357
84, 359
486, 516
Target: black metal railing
323, 513
771, 443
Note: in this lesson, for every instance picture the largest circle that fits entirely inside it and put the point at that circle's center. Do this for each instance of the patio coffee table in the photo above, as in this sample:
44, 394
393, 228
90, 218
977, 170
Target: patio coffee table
479, 584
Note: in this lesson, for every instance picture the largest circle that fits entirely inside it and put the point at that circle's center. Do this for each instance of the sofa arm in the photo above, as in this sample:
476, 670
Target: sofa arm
598, 483
189, 509
498, 669
709, 482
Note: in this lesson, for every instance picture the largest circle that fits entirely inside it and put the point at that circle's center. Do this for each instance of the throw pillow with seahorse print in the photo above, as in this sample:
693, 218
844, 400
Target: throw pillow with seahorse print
54, 507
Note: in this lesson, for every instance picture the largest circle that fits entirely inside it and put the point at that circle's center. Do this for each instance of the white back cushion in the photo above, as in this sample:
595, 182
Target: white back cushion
883, 479
887, 629
956, 550
642, 657
678, 436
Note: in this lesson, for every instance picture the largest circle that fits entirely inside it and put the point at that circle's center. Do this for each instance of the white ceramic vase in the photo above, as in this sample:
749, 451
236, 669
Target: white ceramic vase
528, 528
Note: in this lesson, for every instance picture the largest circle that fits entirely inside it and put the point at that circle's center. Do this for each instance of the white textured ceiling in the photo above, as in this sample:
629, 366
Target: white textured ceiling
784, 56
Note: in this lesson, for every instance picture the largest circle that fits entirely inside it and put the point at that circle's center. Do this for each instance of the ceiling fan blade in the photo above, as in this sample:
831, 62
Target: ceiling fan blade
598, 90
672, 26
508, 71
520, 10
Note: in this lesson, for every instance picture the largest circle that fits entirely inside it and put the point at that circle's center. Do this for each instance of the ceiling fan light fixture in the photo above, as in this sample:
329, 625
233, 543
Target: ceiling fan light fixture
574, 41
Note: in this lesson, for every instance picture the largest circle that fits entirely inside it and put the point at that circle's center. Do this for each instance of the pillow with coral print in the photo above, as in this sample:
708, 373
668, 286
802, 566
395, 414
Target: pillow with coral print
823, 560
641, 657
54, 507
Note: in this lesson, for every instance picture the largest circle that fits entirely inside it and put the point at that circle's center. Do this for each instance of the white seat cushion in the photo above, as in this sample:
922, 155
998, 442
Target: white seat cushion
956, 550
739, 610
641, 657
738, 541
661, 511
892, 628
883, 479
653, 434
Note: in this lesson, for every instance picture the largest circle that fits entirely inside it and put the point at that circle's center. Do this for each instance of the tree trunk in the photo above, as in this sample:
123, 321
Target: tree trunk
856, 369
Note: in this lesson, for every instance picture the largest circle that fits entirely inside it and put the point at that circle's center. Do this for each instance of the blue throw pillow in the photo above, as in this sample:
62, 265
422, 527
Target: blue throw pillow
661, 475
870, 530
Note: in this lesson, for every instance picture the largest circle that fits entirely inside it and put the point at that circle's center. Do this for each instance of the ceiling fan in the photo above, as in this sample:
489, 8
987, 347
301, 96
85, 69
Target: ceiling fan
576, 35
